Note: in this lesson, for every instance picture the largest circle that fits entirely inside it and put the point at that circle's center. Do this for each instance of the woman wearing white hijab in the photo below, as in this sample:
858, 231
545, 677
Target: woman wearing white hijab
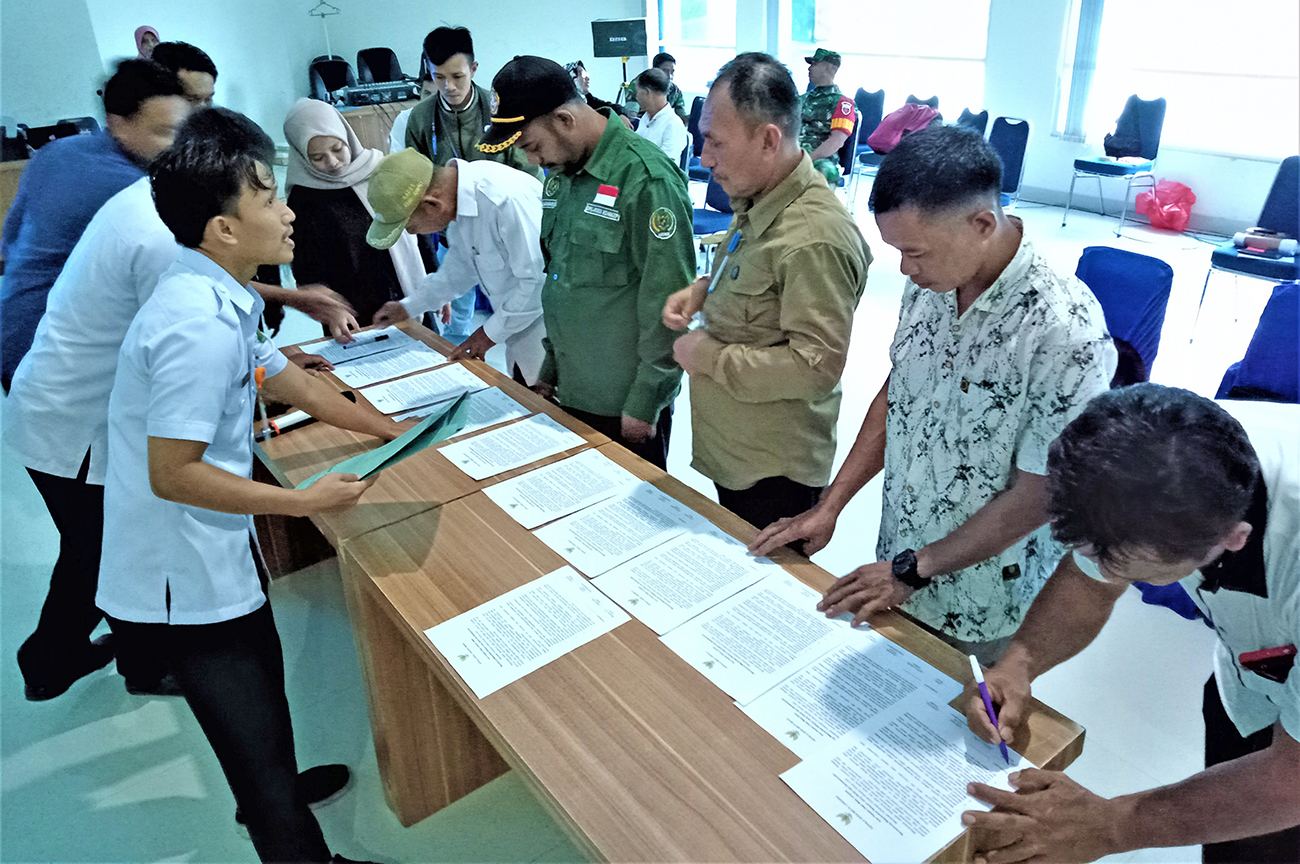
326, 183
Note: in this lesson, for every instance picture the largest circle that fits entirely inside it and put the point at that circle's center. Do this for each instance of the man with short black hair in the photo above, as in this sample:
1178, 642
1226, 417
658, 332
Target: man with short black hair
194, 68
1160, 486
828, 115
667, 64
181, 576
616, 237
67, 182
450, 124
658, 125
994, 353
765, 369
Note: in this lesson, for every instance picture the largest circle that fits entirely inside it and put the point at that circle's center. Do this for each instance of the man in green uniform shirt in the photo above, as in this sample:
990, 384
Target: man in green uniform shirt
765, 369
828, 115
616, 237
450, 124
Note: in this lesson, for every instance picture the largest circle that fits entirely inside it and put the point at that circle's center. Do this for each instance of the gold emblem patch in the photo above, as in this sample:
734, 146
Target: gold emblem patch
663, 223
552, 185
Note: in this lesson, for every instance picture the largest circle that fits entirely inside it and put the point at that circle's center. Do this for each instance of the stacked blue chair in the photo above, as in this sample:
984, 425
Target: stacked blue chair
1281, 214
976, 123
1271, 367
1147, 119
1009, 137
695, 170
1133, 291
711, 221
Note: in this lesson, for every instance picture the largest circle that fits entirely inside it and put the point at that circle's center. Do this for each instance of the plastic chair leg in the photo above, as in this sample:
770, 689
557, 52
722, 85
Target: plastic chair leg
1199, 304
1069, 198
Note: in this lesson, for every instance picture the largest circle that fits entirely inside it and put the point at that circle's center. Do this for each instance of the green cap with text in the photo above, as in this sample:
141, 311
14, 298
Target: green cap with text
396, 186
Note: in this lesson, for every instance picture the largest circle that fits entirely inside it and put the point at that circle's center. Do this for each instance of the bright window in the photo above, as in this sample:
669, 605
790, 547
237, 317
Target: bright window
701, 34
1231, 77
925, 48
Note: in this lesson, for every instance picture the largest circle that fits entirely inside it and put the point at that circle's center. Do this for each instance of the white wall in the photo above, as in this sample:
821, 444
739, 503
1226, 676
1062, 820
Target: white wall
1023, 54
49, 62
55, 52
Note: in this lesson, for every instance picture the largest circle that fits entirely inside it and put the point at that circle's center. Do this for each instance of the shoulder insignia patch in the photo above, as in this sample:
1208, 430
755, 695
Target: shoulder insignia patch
663, 223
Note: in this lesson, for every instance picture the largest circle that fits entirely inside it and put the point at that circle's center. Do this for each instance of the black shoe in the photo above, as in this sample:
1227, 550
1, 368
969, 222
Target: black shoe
321, 785
164, 686
98, 655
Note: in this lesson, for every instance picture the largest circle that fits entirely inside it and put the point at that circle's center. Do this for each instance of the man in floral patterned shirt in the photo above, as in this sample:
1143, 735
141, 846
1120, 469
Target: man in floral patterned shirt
994, 354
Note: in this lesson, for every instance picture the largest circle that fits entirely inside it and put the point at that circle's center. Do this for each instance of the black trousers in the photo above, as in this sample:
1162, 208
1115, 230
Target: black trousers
232, 677
654, 451
768, 500
1223, 743
61, 639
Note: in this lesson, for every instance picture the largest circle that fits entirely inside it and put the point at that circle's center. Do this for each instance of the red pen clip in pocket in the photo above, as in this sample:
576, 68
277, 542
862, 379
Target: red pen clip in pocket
1271, 663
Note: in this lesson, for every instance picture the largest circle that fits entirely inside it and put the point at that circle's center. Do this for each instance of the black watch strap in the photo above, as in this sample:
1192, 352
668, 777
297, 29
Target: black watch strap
904, 568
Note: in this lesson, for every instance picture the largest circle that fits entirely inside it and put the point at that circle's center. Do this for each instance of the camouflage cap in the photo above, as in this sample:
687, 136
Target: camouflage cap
822, 55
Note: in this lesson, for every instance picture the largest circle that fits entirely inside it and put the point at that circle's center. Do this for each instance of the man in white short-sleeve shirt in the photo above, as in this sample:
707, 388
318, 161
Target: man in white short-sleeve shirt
659, 123
1157, 485
181, 574
994, 353
493, 214
56, 422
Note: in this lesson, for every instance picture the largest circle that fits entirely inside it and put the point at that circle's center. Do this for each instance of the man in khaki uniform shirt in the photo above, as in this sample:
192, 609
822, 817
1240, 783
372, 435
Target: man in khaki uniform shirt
778, 308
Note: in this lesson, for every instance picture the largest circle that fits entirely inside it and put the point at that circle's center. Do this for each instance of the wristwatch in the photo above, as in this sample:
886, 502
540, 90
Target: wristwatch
905, 570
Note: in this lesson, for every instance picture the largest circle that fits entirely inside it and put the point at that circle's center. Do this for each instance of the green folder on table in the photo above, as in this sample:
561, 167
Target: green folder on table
438, 426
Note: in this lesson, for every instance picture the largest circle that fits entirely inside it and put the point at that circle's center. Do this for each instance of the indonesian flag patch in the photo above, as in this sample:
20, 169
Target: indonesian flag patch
606, 195
845, 115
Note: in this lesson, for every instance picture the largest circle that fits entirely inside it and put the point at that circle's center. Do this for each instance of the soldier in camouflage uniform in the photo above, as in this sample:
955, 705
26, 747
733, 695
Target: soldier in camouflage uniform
828, 115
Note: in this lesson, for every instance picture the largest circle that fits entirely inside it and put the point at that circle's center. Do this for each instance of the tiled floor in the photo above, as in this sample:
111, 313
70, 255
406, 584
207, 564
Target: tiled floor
97, 775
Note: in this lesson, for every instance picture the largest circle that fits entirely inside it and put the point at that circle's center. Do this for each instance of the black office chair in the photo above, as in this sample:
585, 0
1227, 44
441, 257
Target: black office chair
974, 122
911, 99
36, 137
328, 74
1009, 137
85, 125
378, 66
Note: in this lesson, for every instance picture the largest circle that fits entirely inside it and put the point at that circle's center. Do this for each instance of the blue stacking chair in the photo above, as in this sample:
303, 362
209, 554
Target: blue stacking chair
1133, 291
695, 170
1009, 137
1148, 117
976, 123
715, 216
1271, 367
1282, 214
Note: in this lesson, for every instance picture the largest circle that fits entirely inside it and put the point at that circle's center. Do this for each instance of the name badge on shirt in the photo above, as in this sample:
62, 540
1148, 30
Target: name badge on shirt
548, 203
603, 212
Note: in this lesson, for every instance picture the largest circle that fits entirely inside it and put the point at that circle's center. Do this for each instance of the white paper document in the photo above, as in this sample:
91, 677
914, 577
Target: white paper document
832, 696
372, 368
605, 535
363, 344
486, 408
560, 488
681, 578
752, 641
521, 631
436, 385
511, 446
897, 790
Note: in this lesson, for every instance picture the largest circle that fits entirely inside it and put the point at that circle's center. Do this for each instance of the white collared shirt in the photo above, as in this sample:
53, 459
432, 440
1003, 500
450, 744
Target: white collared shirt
666, 130
58, 404
1246, 622
494, 242
971, 399
186, 372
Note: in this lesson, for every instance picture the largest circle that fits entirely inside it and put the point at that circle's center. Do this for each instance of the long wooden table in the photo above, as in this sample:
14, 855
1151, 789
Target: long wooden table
636, 755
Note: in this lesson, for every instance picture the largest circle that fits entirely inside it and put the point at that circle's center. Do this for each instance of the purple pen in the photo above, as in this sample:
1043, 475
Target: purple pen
988, 703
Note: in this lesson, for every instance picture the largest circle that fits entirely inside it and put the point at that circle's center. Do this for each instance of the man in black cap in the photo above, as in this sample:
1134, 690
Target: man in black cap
616, 236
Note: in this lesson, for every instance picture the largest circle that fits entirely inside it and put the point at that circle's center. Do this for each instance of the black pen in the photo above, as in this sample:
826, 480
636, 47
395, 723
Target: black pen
367, 342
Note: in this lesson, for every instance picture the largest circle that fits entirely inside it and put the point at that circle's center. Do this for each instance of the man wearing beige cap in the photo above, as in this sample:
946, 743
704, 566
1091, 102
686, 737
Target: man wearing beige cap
493, 214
